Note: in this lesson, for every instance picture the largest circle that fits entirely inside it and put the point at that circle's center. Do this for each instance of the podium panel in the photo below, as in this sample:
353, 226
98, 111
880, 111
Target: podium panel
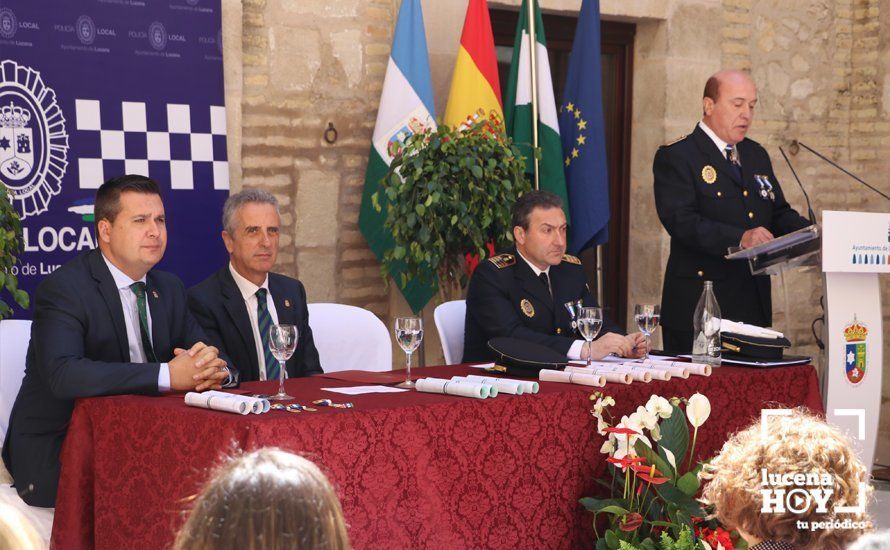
855, 251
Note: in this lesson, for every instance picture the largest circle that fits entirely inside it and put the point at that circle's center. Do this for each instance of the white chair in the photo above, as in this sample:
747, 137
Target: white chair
450, 318
14, 338
349, 337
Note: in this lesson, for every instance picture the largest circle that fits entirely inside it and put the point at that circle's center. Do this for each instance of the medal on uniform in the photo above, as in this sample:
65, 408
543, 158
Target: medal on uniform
527, 308
709, 174
766, 188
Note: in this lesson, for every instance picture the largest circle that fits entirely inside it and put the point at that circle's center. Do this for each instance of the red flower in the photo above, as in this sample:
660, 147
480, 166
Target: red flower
624, 462
630, 522
650, 476
714, 537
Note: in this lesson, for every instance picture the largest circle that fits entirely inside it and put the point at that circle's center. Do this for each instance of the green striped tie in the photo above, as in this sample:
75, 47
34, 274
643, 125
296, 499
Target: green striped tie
264, 321
138, 289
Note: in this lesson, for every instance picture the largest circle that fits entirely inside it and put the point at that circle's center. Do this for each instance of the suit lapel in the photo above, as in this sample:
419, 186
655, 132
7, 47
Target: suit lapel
284, 305
713, 155
562, 293
111, 296
160, 320
235, 307
531, 284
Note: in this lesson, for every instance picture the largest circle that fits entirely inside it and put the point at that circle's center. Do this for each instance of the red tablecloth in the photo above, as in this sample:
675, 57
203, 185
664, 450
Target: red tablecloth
412, 470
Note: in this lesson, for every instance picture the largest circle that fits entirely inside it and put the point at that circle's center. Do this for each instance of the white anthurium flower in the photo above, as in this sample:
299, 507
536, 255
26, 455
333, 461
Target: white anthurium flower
698, 409
626, 444
647, 419
660, 406
672, 460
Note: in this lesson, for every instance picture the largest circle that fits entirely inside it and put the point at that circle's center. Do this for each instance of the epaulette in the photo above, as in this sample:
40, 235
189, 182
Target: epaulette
503, 260
679, 139
571, 259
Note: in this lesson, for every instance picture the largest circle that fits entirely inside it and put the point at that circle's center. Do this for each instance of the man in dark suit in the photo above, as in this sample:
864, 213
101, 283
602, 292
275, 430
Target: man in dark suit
104, 324
522, 293
716, 189
237, 304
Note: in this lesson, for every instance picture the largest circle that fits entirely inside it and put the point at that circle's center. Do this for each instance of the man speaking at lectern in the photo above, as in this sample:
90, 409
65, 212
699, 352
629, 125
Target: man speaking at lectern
715, 189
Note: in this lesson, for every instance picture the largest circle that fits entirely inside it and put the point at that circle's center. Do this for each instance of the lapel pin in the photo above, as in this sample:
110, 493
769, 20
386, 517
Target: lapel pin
286, 302
154, 293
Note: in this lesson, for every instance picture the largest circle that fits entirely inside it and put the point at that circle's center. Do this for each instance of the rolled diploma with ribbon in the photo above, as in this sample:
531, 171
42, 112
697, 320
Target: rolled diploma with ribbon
679, 371
637, 373
502, 384
492, 388
257, 405
583, 378
217, 402
603, 370
440, 385
656, 374
701, 369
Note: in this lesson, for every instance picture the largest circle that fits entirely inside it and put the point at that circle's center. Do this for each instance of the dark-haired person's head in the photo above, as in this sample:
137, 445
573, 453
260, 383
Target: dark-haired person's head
539, 228
728, 105
268, 499
130, 224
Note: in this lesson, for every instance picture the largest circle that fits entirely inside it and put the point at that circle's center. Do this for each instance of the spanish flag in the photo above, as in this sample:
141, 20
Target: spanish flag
474, 85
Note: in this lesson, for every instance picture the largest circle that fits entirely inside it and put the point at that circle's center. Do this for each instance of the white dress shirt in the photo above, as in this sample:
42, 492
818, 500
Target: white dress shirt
717, 141
131, 319
248, 292
574, 352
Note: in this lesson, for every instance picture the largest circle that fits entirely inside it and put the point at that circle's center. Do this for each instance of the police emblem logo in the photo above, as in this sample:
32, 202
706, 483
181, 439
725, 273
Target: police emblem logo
709, 174
33, 140
157, 36
85, 29
8, 23
527, 308
855, 356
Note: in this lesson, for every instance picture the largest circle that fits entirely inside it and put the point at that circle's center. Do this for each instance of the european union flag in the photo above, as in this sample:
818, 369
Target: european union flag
583, 135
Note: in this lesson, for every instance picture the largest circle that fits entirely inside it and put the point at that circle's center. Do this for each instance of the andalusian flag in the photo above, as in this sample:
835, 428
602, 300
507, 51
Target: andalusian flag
474, 85
518, 105
406, 107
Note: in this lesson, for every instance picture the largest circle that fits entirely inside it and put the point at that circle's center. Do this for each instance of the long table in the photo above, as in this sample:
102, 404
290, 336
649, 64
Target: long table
412, 470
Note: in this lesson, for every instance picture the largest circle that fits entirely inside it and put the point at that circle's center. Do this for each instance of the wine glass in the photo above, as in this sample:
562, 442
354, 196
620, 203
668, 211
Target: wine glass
590, 321
647, 317
409, 334
282, 343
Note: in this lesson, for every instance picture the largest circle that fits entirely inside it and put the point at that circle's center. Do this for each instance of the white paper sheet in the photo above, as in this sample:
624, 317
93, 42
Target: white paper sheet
359, 390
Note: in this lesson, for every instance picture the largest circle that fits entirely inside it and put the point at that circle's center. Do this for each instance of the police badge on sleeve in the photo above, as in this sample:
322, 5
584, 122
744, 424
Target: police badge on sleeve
33, 140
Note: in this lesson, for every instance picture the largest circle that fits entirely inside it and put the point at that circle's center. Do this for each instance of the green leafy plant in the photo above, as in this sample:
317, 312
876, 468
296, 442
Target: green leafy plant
448, 193
651, 503
10, 246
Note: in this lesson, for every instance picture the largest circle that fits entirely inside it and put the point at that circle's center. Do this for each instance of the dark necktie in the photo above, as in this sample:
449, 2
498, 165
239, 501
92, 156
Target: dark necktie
138, 289
264, 323
546, 281
732, 155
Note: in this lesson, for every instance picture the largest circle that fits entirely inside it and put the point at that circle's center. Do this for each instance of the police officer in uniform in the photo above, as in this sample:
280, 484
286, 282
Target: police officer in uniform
716, 189
522, 293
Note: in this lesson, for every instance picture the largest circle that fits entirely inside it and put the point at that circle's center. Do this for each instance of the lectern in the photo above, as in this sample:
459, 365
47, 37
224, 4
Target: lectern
855, 250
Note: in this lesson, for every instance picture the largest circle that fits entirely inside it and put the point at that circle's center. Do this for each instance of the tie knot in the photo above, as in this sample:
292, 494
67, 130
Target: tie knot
544, 279
138, 289
261, 294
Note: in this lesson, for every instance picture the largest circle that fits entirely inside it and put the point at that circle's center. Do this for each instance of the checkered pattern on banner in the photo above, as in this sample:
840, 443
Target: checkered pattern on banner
164, 141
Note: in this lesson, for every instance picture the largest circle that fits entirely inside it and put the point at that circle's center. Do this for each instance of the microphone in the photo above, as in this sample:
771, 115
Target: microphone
810, 213
794, 145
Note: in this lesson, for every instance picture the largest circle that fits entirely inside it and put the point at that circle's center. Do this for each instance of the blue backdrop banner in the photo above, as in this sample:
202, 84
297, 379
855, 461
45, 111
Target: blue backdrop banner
92, 89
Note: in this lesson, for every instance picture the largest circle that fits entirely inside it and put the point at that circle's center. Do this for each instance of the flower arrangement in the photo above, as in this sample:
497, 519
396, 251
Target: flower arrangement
652, 481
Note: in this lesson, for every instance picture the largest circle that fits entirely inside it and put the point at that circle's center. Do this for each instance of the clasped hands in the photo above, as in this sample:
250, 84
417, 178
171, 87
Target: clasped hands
632, 346
198, 368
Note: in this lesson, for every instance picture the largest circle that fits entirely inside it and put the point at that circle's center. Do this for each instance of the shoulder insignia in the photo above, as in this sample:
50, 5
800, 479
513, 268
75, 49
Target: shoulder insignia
677, 140
571, 259
503, 260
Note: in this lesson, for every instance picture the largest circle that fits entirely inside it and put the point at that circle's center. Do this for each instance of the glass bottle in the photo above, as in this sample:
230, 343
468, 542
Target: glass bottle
706, 345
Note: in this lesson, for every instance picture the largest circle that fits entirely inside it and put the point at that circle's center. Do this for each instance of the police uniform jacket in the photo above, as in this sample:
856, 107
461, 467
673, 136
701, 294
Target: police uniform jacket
706, 207
506, 298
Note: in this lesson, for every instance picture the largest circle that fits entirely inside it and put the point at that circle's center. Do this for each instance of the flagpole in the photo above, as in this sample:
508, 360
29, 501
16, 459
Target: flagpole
532, 50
